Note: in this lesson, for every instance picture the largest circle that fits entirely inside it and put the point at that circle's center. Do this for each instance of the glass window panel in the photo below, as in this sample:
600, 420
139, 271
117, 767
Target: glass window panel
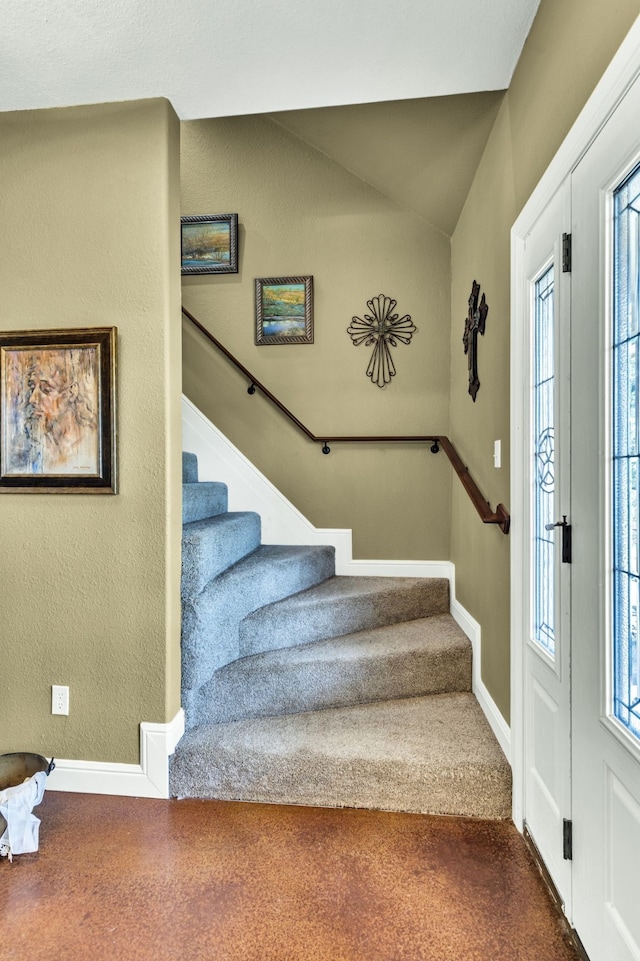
544, 573
625, 453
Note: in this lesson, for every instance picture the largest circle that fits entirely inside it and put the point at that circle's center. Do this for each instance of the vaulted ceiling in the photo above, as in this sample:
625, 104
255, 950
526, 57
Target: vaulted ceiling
421, 153
412, 63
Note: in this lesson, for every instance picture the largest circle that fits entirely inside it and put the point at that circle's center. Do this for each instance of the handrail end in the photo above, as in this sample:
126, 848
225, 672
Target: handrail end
505, 518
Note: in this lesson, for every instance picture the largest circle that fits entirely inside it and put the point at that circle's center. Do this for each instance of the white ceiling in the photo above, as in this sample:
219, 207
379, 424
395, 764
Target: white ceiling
221, 58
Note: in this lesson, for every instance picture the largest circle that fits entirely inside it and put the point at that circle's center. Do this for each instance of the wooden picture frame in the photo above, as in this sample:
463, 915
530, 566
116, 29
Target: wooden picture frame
58, 411
209, 244
284, 310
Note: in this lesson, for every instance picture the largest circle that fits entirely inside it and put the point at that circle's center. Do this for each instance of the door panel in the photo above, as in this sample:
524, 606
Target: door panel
606, 756
547, 784
622, 844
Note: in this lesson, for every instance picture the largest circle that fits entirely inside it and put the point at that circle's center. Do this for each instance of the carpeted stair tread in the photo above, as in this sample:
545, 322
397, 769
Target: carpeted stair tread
433, 754
342, 605
425, 656
215, 544
211, 619
189, 468
203, 499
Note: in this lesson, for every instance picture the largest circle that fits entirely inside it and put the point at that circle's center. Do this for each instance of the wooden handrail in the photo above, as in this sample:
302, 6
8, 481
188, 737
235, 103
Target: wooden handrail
500, 516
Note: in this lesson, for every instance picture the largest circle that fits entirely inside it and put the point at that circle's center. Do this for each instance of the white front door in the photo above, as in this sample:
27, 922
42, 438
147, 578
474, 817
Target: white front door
546, 623
605, 507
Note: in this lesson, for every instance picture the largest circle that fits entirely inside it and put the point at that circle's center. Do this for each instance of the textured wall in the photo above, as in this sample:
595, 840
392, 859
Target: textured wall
569, 47
301, 213
90, 583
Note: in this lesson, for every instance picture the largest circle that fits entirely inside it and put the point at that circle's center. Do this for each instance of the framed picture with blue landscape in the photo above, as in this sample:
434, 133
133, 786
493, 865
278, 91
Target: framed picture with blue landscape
209, 244
284, 310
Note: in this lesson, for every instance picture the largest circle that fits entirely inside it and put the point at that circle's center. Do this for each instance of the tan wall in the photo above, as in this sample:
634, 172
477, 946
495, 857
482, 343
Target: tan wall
569, 47
300, 213
90, 583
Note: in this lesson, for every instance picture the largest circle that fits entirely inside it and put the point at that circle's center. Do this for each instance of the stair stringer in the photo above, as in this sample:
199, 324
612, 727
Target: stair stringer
282, 522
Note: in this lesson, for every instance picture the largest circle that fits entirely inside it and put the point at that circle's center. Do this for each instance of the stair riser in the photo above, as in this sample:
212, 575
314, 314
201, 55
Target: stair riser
273, 629
211, 547
189, 468
246, 777
238, 691
210, 621
203, 500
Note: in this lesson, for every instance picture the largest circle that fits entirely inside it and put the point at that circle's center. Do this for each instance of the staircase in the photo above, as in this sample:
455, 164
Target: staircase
303, 687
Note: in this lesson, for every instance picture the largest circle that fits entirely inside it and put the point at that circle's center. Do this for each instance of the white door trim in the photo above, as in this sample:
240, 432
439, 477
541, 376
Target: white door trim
615, 82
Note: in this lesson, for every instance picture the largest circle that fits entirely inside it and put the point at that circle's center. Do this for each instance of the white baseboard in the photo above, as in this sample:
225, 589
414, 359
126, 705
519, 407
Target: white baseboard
472, 629
400, 569
149, 779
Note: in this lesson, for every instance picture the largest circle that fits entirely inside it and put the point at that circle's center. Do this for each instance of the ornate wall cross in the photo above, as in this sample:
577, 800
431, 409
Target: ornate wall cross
381, 329
474, 325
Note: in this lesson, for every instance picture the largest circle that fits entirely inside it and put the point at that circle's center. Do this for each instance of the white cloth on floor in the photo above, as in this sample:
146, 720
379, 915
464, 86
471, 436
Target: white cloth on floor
16, 805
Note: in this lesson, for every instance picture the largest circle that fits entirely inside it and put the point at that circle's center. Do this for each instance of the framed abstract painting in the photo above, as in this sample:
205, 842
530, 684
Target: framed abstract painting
58, 411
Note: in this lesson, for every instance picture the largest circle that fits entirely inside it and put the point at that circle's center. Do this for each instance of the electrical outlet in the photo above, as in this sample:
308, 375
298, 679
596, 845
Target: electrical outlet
59, 699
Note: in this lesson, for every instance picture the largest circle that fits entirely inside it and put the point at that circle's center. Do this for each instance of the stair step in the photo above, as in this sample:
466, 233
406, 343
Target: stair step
211, 546
189, 468
203, 499
342, 605
210, 620
425, 656
432, 755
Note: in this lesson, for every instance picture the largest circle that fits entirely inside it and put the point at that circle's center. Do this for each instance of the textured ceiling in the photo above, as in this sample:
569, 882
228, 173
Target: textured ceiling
223, 58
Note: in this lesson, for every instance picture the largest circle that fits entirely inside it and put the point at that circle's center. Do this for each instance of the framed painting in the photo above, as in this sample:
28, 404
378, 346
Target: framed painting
58, 411
209, 244
284, 310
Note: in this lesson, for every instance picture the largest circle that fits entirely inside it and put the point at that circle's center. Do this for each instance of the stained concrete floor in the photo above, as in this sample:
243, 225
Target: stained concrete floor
126, 878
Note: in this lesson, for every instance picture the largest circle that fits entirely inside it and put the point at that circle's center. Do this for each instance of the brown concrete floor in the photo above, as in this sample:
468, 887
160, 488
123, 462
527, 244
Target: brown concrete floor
125, 878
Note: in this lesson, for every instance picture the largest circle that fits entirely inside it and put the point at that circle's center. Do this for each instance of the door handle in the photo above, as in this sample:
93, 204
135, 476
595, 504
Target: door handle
566, 537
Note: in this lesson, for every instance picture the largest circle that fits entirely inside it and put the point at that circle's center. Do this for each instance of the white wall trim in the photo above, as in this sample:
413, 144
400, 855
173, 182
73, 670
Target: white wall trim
282, 522
149, 779
615, 82
497, 723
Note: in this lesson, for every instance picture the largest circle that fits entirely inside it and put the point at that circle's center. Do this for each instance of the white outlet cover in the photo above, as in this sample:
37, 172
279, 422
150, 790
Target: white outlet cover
59, 699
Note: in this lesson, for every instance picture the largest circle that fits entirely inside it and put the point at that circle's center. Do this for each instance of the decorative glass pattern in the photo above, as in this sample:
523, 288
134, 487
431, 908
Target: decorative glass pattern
544, 567
626, 454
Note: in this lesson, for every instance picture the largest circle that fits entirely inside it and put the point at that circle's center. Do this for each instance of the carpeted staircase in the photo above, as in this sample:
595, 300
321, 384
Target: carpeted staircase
303, 687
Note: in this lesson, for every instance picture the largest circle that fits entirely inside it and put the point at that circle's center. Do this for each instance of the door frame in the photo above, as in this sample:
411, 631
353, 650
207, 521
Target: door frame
615, 82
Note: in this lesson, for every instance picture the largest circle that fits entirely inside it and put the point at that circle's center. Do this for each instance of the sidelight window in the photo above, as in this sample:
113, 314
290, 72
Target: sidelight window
626, 454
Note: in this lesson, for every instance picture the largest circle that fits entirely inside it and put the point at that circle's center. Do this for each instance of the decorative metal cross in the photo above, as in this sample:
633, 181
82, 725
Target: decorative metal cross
382, 329
474, 325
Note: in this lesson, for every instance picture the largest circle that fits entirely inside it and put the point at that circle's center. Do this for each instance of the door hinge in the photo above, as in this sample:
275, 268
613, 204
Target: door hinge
567, 840
566, 253
566, 543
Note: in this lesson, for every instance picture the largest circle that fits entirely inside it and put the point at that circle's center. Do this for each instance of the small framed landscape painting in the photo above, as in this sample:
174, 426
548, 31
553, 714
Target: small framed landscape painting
284, 310
57, 411
209, 244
